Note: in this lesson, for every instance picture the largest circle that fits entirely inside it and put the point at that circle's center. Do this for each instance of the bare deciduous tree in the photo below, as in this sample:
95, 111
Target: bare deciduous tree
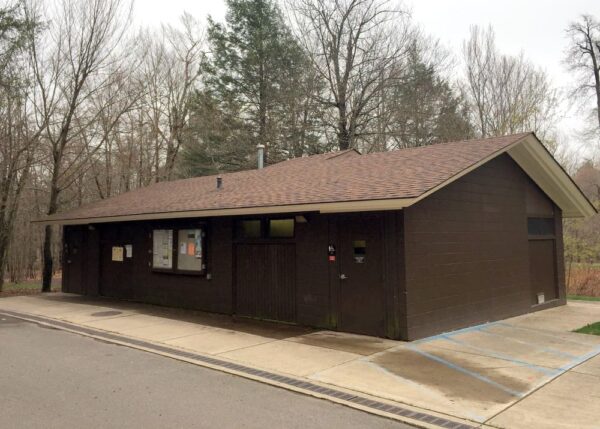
507, 93
17, 140
171, 71
68, 66
354, 45
583, 58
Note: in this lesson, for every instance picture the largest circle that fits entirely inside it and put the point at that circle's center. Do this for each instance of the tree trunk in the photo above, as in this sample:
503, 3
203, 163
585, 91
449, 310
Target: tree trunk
47, 249
3, 254
47, 270
596, 77
343, 134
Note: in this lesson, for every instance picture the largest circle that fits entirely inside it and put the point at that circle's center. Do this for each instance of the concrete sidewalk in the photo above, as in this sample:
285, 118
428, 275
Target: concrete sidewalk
529, 371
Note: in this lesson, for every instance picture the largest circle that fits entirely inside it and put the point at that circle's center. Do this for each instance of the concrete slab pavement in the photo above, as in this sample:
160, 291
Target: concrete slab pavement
291, 357
489, 374
213, 341
570, 401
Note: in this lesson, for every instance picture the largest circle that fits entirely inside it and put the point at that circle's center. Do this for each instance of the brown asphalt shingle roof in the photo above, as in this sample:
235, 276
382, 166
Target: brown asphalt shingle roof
333, 177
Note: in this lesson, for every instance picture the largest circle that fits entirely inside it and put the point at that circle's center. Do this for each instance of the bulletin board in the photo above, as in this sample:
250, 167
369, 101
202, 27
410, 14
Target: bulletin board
162, 248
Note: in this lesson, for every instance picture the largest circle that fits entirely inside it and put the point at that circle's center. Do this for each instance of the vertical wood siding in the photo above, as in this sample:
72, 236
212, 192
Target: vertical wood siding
266, 281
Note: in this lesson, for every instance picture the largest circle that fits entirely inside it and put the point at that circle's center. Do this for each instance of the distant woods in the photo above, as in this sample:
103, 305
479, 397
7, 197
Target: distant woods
92, 105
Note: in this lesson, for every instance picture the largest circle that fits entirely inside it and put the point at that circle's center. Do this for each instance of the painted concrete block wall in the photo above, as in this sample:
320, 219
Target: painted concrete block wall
467, 251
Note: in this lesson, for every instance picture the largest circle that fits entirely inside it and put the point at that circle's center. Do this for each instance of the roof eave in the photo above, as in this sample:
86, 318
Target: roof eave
547, 173
331, 207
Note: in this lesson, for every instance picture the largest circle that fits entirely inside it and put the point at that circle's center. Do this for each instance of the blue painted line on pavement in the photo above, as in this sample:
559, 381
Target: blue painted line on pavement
465, 371
502, 356
457, 332
580, 359
537, 346
546, 334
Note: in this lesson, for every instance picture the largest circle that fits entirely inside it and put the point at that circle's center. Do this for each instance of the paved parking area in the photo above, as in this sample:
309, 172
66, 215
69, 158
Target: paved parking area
51, 379
529, 371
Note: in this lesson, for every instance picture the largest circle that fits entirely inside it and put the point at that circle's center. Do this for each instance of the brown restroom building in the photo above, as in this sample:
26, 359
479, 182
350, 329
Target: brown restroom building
401, 244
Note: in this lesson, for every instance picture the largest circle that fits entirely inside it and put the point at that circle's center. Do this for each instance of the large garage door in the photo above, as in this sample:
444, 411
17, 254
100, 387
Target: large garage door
542, 259
266, 281
542, 269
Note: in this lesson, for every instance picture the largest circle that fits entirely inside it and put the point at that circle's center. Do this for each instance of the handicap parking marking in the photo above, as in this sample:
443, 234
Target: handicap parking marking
456, 332
549, 373
465, 371
544, 333
502, 356
549, 350
595, 352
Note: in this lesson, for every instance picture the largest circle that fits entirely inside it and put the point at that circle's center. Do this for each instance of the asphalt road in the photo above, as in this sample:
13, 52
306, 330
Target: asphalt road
55, 379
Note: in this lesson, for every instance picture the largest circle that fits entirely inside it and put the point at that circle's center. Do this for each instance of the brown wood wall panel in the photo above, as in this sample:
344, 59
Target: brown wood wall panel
312, 272
467, 252
134, 279
394, 275
314, 276
266, 281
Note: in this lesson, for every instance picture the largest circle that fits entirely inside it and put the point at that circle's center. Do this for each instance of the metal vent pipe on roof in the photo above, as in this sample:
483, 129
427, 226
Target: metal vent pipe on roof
219, 182
261, 155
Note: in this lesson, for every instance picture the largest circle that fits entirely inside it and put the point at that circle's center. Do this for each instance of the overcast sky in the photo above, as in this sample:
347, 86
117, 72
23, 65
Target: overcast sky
535, 27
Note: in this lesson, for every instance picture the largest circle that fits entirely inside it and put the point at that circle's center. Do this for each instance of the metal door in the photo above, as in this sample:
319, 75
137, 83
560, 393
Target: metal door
73, 260
116, 278
361, 306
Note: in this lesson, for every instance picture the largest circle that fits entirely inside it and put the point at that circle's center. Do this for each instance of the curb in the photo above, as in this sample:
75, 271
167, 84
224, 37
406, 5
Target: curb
405, 414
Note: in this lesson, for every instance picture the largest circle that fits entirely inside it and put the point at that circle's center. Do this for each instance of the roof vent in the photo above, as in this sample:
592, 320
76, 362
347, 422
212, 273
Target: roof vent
219, 182
261, 155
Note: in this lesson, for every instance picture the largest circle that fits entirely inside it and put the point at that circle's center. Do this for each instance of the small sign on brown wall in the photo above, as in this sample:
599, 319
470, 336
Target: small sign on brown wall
117, 253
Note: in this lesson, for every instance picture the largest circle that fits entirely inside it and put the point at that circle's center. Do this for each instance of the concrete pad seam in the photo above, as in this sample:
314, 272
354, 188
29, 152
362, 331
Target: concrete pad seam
316, 374
502, 356
544, 348
585, 373
120, 316
466, 371
247, 347
542, 332
456, 332
440, 347
412, 383
375, 407
542, 384
291, 340
162, 340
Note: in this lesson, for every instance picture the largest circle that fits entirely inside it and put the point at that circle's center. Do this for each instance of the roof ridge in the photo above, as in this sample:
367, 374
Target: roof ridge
433, 145
335, 154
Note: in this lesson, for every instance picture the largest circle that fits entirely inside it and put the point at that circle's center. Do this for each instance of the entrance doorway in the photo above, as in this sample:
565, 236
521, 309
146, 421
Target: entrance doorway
361, 306
73, 256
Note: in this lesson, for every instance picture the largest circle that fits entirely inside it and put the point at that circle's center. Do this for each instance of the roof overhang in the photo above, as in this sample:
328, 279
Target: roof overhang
333, 207
533, 157
529, 153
